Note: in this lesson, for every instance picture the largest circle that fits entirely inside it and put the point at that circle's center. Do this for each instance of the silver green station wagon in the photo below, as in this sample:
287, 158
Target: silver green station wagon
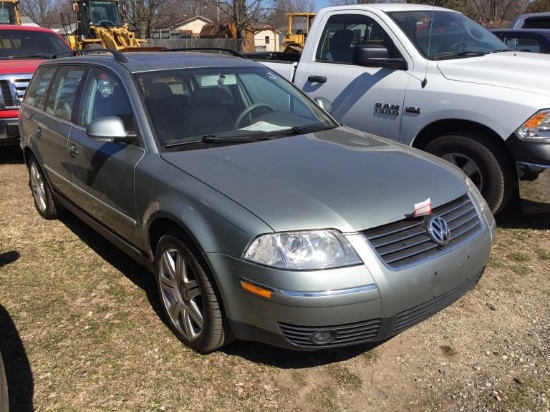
260, 216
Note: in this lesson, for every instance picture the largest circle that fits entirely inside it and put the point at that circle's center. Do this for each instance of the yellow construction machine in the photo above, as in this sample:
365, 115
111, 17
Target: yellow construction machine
99, 24
9, 12
294, 41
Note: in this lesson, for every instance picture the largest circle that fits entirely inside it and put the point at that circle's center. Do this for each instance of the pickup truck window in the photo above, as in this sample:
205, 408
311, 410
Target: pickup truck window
524, 43
446, 34
343, 32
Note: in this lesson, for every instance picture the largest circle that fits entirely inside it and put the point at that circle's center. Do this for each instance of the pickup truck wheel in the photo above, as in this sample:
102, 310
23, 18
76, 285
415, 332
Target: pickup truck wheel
41, 192
188, 296
484, 162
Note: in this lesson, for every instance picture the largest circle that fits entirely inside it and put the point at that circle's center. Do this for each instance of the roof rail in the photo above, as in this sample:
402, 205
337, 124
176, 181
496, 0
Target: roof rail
119, 56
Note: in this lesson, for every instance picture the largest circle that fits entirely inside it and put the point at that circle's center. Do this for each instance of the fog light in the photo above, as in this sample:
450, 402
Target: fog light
323, 337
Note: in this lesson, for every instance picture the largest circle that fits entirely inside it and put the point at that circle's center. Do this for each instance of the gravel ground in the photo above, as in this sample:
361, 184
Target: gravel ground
487, 352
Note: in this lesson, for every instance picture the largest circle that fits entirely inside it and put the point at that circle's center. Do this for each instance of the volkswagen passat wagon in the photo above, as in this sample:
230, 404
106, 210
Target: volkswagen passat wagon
261, 217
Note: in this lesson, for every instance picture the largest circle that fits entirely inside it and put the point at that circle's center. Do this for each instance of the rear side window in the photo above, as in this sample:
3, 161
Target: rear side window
38, 88
62, 93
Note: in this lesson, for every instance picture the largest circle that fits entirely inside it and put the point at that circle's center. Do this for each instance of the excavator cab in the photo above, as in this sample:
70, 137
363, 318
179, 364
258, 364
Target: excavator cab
99, 25
9, 12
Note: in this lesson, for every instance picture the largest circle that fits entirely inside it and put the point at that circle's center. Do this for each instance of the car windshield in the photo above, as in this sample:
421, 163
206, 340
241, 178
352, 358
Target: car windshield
226, 105
22, 44
442, 35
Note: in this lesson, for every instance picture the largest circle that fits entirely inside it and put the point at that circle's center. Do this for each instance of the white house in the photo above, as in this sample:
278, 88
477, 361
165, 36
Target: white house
266, 38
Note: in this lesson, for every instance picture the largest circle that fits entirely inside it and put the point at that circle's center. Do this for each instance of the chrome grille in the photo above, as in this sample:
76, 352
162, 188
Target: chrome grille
412, 316
13, 89
406, 242
349, 334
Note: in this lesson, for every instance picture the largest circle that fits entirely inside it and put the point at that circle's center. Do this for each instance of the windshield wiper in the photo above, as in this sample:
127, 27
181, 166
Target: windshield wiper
31, 56
449, 55
213, 139
296, 130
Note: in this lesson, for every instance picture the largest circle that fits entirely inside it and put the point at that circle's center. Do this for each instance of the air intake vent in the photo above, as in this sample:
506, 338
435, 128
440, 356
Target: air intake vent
349, 334
407, 243
13, 89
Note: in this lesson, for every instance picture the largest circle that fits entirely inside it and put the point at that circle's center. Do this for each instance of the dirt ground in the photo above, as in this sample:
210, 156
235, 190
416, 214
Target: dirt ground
79, 330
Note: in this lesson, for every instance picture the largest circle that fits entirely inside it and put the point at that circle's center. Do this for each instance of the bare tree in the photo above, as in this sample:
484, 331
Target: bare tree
40, 11
144, 15
538, 6
493, 12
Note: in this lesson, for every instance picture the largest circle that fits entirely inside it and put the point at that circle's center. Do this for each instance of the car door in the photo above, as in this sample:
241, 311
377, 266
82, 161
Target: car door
366, 98
52, 122
102, 171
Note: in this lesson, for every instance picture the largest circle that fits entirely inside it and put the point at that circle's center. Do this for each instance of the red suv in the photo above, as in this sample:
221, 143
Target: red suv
22, 49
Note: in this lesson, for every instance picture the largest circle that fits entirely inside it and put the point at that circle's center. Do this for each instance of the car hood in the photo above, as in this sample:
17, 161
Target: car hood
19, 66
339, 178
506, 69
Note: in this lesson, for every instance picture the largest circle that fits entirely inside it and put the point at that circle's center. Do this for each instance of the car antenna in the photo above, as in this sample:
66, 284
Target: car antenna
424, 82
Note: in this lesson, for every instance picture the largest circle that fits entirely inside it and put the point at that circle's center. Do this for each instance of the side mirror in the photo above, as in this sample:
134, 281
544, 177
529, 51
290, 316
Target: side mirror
109, 129
376, 56
323, 103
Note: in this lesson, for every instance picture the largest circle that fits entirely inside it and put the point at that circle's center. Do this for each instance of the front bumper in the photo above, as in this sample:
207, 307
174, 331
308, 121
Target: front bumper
9, 132
534, 186
533, 171
347, 306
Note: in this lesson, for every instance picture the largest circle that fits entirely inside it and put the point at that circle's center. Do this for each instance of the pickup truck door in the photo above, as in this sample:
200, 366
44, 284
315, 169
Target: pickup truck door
104, 172
365, 98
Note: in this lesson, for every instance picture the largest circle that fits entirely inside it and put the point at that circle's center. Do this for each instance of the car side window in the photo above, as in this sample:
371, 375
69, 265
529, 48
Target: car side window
525, 44
343, 32
103, 95
62, 93
38, 88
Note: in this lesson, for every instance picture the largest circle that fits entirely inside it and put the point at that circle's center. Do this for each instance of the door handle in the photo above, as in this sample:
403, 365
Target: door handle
317, 79
39, 132
74, 151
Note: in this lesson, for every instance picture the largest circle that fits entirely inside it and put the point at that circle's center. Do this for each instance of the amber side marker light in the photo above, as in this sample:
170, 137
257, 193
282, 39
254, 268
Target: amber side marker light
534, 121
264, 293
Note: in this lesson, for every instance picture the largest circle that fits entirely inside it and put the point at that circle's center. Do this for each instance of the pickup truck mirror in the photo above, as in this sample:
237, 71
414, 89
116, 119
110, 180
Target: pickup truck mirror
323, 103
109, 129
376, 56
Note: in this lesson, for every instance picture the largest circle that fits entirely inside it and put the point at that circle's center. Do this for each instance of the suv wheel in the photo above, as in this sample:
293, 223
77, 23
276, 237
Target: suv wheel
43, 197
188, 297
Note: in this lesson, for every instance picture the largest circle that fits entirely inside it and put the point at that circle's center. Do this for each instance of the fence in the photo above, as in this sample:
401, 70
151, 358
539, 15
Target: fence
190, 43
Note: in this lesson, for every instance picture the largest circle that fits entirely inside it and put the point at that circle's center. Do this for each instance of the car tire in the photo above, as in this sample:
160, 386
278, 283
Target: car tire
483, 161
188, 296
41, 192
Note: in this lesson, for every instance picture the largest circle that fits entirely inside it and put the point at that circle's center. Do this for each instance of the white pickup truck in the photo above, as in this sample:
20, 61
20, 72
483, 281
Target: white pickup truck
434, 79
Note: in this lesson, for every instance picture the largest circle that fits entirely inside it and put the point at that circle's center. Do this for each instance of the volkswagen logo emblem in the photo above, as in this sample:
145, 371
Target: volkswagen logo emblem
438, 230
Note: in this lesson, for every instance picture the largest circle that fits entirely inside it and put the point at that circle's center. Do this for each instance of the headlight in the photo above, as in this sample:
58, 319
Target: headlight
537, 128
308, 250
482, 205
476, 195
